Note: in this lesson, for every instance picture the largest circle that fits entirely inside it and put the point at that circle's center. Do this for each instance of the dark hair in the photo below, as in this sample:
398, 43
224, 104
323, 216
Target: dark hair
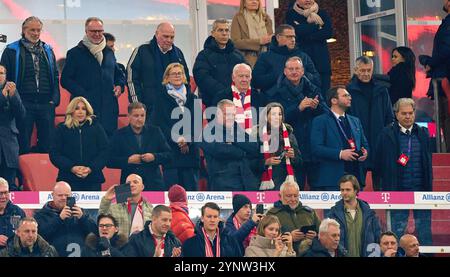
352, 179
159, 209
110, 216
136, 105
210, 205
280, 29
410, 62
333, 93
389, 234
109, 37
363, 60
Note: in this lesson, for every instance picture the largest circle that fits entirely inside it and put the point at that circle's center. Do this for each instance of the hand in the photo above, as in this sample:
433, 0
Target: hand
287, 238
297, 235
290, 153
349, 155
390, 253
278, 246
10, 88
65, 213
305, 103
77, 170
273, 161
117, 91
176, 252
148, 157
77, 212
257, 217
184, 149
315, 102
110, 193
364, 156
134, 159
310, 234
3, 240
85, 171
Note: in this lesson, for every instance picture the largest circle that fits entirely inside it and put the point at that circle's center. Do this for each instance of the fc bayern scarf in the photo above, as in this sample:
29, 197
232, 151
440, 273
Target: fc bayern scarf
253, 232
208, 244
243, 112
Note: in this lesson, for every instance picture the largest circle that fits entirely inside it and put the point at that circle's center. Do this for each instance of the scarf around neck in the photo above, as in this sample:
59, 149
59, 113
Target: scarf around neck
95, 49
256, 24
178, 94
37, 52
310, 14
243, 112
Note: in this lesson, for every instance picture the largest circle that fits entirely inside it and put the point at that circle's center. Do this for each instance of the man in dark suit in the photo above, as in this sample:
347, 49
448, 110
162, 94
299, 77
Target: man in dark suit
140, 149
337, 142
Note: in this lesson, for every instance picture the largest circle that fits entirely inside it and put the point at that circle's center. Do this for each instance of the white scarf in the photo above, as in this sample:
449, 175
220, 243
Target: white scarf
243, 112
310, 14
95, 49
137, 224
179, 94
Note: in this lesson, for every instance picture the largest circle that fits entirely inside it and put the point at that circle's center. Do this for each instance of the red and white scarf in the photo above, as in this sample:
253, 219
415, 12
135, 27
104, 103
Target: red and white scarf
266, 179
243, 112
253, 232
137, 224
161, 245
208, 244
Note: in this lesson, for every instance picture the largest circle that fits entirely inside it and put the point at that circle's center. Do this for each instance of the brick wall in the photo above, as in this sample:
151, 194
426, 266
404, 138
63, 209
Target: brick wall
339, 50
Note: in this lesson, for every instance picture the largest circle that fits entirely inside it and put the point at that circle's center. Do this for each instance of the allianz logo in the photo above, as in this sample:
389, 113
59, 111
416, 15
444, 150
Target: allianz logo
201, 197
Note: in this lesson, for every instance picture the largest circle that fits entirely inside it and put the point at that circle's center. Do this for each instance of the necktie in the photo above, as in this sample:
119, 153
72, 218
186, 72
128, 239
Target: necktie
408, 132
242, 94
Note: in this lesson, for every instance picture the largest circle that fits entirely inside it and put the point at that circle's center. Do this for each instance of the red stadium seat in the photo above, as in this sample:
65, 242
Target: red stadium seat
65, 99
123, 103
38, 173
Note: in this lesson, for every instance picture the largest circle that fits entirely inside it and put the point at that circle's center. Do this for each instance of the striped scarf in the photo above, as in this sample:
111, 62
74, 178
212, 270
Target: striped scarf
252, 233
243, 113
137, 224
208, 244
266, 179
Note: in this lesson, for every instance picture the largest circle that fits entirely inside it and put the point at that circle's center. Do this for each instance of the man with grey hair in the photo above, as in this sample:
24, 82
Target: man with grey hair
214, 64
149, 61
247, 100
31, 65
301, 221
228, 151
10, 214
327, 243
403, 162
371, 103
91, 71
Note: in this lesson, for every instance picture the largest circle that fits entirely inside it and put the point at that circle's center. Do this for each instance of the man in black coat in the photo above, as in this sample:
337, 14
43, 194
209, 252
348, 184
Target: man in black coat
140, 148
403, 162
156, 240
371, 103
91, 71
270, 64
327, 243
31, 64
64, 227
148, 62
214, 64
11, 108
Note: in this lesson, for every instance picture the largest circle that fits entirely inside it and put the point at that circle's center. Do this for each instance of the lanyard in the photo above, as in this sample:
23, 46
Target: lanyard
341, 129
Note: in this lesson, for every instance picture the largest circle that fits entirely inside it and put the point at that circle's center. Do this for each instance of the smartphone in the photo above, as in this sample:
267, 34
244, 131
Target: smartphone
284, 239
282, 155
260, 208
123, 192
70, 201
305, 229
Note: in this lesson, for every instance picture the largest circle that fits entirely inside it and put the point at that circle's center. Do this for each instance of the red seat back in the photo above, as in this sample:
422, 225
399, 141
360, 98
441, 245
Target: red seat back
39, 174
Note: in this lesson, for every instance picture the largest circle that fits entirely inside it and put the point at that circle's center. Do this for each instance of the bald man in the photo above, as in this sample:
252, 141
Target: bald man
410, 244
148, 63
63, 227
131, 215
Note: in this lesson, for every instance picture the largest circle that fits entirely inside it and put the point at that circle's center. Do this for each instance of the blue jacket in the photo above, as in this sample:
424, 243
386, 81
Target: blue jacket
270, 65
371, 229
239, 234
68, 235
326, 145
312, 39
195, 246
13, 58
6, 227
84, 76
387, 152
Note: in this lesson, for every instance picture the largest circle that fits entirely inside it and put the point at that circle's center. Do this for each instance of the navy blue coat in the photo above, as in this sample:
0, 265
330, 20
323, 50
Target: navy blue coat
68, 235
124, 144
239, 234
213, 68
142, 244
6, 228
371, 229
195, 246
84, 76
440, 59
270, 66
318, 251
11, 109
381, 113
326, 145
312, 39
291, 97
387, 152
86, 146
13, 58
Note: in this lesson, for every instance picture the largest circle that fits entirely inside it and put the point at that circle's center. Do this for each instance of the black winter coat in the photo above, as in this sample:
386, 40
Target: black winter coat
66, 236
401, 86
142, 244
213, 68
94, 249
317, 250
84, 76
6, 227
124, 144
41, 248
86, 146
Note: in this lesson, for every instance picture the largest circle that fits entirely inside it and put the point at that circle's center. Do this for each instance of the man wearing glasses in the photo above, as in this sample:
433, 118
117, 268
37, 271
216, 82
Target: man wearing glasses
91, 71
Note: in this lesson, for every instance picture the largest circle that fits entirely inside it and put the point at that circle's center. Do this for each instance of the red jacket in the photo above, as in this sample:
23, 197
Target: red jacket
182, 225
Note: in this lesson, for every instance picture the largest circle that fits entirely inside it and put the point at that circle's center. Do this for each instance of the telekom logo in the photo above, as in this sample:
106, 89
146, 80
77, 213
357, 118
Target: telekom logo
11, 196
385, 196
260, 196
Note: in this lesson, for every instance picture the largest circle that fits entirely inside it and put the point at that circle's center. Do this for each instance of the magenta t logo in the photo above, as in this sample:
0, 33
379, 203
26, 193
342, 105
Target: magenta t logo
261, 197
385, 196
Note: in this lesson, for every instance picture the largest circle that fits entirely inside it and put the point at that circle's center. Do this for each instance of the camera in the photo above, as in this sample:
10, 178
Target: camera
70, 201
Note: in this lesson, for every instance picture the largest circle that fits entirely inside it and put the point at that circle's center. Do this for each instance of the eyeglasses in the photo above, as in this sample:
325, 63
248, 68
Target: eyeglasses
96, 31
105, 225
176, 74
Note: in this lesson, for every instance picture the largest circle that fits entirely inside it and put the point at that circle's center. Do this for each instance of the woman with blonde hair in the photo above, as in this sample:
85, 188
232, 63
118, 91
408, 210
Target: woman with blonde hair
251, 30
269, 242
79, 148
176, 98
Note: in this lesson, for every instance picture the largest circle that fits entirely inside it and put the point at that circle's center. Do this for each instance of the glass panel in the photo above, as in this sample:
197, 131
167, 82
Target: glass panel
374, 6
